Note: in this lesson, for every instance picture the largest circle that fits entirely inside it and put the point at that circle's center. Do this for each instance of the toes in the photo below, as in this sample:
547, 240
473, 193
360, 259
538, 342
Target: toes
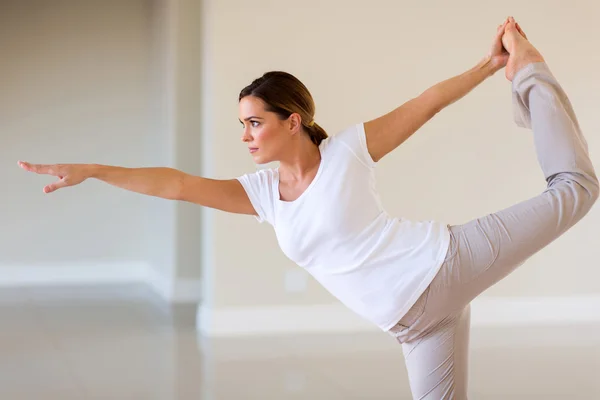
520, 30
511, 27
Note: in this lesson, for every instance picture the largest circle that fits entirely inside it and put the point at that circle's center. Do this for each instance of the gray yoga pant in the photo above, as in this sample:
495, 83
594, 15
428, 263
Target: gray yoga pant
435, 333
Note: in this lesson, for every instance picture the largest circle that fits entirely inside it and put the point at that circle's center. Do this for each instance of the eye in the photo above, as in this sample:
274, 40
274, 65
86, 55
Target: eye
254, 123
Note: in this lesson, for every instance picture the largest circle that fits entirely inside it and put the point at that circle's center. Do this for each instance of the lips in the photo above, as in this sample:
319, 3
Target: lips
252, 149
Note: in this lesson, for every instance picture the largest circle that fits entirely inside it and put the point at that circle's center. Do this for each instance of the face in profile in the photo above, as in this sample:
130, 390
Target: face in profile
264, 132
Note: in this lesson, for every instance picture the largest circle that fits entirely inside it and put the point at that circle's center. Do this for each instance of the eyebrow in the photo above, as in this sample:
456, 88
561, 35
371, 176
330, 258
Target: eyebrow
249, 118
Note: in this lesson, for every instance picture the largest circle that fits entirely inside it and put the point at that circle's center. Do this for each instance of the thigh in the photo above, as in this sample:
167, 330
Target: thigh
437, 361
487, 249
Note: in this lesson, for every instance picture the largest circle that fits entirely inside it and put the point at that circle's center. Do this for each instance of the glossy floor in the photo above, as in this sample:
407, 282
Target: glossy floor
116, 343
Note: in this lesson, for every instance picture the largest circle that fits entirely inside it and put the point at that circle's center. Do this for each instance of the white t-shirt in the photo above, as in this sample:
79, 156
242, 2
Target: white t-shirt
337, 230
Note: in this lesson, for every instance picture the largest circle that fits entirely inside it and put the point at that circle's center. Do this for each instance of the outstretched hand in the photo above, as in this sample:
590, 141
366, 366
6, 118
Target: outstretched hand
69, 174
498, 55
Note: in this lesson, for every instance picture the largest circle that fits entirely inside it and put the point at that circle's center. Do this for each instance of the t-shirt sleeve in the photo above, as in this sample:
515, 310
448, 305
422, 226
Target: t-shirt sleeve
355, 140
259, 188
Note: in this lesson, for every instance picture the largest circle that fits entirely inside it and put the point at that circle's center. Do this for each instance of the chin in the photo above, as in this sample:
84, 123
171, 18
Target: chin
261, 160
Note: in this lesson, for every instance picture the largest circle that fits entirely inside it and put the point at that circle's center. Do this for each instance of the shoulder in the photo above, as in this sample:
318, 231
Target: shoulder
259, 178
352, 140
260, 188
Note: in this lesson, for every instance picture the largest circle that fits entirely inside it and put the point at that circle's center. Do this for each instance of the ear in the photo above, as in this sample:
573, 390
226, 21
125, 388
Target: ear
295, 123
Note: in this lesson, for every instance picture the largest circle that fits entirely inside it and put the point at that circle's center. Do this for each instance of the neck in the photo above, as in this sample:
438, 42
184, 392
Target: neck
302, 159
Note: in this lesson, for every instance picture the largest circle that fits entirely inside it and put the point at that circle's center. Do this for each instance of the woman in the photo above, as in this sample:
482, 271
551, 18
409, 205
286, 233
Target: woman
414, 280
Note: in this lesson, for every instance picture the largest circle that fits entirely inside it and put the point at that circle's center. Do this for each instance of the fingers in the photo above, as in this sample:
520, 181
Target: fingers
55, 186
501, 28
55, 170
40, 168
497, 46
25, 165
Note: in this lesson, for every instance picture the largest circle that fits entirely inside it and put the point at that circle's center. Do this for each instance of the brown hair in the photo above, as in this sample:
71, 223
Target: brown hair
284, 95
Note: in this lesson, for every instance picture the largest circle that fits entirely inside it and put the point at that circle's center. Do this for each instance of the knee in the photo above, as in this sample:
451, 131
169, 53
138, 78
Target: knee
589, 197
581, 191
594, 191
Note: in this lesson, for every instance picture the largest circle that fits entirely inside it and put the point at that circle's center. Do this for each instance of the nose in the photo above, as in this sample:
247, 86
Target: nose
246, 137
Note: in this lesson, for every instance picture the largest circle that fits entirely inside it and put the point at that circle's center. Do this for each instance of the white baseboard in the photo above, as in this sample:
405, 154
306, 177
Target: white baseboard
526, 311
335, 318
179, 291
321, 318
80, 274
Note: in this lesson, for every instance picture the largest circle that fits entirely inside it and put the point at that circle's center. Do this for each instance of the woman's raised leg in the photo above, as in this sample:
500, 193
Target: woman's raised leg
434, 334
489, 248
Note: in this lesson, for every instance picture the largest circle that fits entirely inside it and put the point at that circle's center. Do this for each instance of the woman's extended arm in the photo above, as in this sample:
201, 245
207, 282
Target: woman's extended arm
167, 183
387, 132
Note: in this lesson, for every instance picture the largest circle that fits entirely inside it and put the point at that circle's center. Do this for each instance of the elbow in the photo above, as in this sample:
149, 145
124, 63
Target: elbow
433, 102
437, 105
435, 110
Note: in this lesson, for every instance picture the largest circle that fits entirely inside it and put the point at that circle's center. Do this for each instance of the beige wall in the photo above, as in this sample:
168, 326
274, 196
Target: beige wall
75, 88
109, 82
361, 59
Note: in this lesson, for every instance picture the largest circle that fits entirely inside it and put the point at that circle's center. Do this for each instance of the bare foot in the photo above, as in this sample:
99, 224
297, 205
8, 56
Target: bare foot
522, 52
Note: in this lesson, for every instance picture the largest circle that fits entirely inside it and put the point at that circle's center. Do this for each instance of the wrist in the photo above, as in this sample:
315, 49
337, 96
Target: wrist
93, 171
488, 67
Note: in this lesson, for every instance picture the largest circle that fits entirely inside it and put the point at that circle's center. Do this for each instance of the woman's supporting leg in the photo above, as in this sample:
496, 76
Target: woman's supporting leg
437, 363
